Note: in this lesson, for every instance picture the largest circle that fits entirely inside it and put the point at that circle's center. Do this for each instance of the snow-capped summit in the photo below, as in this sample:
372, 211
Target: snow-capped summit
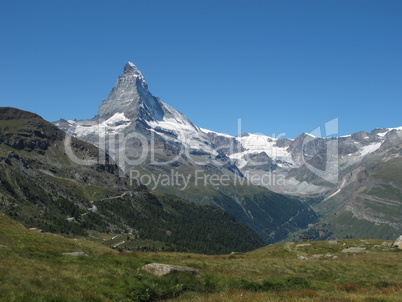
130, 68
130, 107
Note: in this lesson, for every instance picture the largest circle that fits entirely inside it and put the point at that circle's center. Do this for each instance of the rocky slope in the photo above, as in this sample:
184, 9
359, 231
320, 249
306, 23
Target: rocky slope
367, 200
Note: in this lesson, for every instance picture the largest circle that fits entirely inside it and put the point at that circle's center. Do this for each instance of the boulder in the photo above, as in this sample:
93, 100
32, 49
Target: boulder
398, 242
303, 245
236, 253
76, 254
354, 250
160, 270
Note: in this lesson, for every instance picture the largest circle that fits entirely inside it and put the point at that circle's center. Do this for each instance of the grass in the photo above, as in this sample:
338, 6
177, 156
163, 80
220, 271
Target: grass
386, 192
32, 268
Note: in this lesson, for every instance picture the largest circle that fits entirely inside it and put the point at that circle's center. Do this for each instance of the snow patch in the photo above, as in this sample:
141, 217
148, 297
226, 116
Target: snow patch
389, 130
187, 134
311, 135
113, 125
217, 133
370, 149
255, 144
342, 185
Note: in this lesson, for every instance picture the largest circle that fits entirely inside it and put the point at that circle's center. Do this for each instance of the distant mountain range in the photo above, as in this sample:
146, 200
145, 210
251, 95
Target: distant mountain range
353, 182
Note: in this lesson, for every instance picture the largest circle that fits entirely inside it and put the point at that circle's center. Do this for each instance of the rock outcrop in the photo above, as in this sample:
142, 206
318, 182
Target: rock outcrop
76, 254
354, 250
398, 242
160, 270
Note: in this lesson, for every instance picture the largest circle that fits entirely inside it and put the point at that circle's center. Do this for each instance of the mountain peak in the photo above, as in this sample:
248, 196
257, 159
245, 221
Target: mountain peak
130, 68
129, 92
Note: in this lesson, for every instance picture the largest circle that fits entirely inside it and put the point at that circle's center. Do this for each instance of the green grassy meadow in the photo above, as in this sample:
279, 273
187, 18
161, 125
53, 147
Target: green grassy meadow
33, 268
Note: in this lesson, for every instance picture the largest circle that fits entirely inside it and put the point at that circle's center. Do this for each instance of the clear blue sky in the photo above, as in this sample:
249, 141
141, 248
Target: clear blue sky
281, 66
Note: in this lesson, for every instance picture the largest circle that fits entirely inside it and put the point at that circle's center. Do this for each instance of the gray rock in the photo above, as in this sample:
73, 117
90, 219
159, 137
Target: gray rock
333, 242
76, 254
303, 245
354, 250
398, 242
160, 270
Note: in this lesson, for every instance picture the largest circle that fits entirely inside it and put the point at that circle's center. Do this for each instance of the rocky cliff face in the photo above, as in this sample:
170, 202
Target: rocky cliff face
131, 96
367, 200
